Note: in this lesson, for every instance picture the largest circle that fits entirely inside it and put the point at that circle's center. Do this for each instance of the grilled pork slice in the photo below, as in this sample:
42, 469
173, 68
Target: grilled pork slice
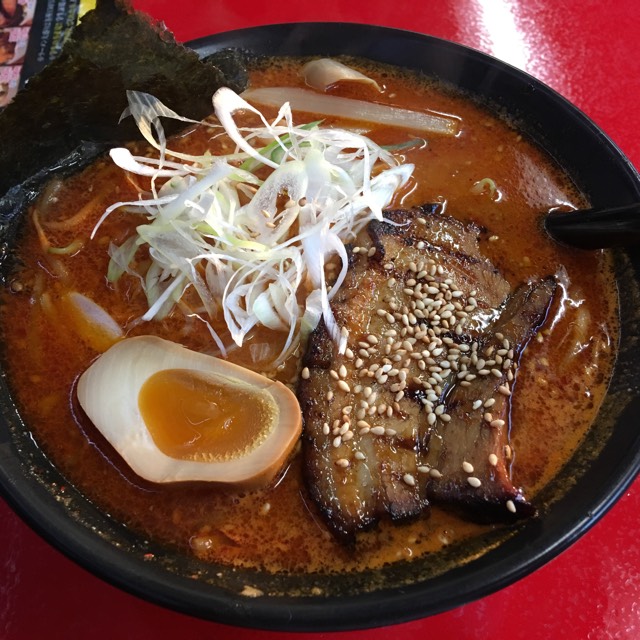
418, 292
470, 454
356, 452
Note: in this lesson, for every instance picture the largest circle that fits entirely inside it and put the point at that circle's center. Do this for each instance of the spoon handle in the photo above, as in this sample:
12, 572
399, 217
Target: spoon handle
596, 228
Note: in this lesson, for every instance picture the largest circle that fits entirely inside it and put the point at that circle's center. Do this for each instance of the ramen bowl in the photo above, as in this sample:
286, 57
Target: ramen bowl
602, 468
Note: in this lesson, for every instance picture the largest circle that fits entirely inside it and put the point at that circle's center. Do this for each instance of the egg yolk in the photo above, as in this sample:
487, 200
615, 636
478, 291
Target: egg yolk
192, 416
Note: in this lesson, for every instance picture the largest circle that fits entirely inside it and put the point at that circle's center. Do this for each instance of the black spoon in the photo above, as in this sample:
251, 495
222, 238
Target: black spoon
596, 228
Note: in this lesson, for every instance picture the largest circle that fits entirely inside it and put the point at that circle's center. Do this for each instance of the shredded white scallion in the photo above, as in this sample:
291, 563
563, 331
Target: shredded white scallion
261, 261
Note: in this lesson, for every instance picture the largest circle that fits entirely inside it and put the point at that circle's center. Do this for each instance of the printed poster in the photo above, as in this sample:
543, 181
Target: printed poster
32, 33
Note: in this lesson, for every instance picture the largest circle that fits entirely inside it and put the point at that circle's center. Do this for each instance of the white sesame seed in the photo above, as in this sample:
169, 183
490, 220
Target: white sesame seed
342, 462
474, 482
342, 385
504, 390
511, 506
409, 479
493, 459
329, 396
423, 469
476, 404
305, 373
377, 431
467, 467
497, 423
337, 441
342, 371
434, 473
358, 455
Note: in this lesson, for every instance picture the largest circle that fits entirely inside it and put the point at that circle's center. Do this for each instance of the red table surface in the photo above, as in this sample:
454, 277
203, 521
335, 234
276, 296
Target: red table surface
587, 51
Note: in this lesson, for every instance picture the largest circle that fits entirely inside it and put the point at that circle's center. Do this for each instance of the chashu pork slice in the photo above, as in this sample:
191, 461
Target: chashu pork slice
469, 454
417, 287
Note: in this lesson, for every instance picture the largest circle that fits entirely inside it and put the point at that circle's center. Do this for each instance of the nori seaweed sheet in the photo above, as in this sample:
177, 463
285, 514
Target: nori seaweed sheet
73, 106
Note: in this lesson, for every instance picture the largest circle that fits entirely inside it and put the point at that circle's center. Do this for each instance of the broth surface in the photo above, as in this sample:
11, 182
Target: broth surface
560, 384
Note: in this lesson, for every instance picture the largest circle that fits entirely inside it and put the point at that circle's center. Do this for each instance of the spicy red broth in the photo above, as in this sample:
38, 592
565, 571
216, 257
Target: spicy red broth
489, 174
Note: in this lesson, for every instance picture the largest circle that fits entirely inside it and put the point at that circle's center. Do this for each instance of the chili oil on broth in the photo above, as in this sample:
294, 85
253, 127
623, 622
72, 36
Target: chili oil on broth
559, 387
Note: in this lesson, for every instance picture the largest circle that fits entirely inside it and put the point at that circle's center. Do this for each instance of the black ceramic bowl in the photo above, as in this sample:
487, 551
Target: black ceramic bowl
601, 470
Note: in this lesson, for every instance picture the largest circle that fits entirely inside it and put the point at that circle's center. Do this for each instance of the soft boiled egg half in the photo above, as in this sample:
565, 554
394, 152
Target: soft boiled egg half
176, 415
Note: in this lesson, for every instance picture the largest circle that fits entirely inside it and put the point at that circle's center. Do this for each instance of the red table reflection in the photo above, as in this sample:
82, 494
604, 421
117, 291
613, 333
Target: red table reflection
588, 52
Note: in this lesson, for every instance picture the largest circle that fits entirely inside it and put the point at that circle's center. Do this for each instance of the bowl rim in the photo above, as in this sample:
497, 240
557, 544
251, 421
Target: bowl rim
33, 501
